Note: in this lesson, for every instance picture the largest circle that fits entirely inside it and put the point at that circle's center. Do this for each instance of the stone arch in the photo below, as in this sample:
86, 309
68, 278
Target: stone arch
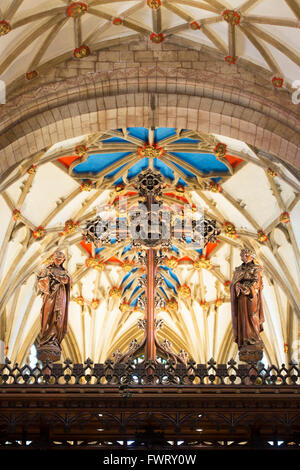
238, 101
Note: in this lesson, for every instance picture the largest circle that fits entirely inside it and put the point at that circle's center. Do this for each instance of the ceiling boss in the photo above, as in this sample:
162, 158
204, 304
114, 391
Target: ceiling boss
77, 9
154, 4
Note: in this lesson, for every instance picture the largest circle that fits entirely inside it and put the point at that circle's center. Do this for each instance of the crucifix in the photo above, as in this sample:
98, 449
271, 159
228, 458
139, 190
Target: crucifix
153, 231
150, 349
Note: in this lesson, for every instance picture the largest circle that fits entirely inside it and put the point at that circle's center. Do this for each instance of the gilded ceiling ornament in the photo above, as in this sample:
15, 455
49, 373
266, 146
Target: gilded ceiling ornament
32, 170
229, 230
271, 172
70, 227
127, 266
179, 188
232, 17
95, 264
171, 262
220, 150
184, 291
95, 303
214, 187
285, 217
219, 302
125, 307
86, 185
226, 285
81, 150
39, 232
230, 59
77, 9
120, 188
79, 300
194, 25
157, 38
5, 28
261, 236
172, 306
277, 82
115, 292
203, 263
155, 4
16, 214
117, 21
204, 305
81, 52
31, 75
151, 151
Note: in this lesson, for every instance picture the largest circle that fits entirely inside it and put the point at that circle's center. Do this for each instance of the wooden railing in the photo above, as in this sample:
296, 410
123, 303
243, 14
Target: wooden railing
149, 373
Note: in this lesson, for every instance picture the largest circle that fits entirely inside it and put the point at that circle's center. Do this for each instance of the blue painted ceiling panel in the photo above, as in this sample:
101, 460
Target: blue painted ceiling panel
206, 163
115, 140
185, 171
97, 163
202, 161
163, 133
186, 140
139, 132
164, 169
137, 168
112, 173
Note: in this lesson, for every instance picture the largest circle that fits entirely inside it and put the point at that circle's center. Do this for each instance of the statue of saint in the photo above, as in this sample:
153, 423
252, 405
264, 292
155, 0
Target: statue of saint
54, 284
247, 308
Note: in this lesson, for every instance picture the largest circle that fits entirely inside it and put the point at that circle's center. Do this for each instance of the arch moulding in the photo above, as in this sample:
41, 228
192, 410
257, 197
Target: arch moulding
237, 101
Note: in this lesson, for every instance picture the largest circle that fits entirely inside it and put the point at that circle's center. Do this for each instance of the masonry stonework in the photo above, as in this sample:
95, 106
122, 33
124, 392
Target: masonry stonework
112, 88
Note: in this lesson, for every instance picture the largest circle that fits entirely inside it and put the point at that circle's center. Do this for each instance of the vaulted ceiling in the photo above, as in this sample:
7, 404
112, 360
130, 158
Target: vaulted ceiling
35, 33
44, 204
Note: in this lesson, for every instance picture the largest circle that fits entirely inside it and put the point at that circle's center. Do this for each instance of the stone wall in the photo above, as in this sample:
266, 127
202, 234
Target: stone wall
194, 89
